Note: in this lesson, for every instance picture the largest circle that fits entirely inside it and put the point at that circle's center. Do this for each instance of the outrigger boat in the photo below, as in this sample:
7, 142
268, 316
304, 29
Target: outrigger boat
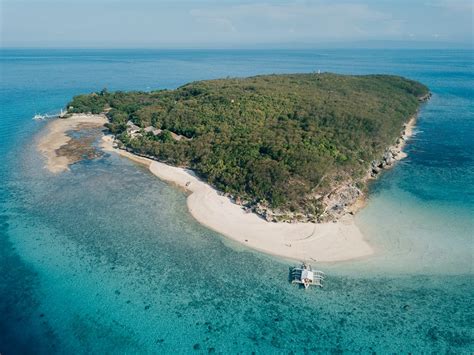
306, 276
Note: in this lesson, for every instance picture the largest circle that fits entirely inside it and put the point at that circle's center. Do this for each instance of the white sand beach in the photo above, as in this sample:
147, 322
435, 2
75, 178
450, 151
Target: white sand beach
324, 242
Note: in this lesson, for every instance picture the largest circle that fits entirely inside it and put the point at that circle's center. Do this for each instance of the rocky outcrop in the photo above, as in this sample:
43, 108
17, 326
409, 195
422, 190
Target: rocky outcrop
340, 201
390, 156
393, 153
336, 203
424, 98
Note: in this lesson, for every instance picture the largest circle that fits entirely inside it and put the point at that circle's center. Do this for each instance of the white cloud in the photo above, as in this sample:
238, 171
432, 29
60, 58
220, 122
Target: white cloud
220, 23
453, 5
299, 20
231, 23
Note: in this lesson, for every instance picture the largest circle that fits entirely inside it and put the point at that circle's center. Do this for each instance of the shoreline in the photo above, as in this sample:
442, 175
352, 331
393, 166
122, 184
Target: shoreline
333, 241
322, 242
352, 198
56, 137
402, 141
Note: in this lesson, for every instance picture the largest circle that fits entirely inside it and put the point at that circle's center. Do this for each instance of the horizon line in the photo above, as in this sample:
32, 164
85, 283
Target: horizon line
235, 48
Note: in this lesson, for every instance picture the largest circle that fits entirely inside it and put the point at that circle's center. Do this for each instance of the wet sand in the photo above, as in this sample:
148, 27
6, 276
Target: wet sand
54, 144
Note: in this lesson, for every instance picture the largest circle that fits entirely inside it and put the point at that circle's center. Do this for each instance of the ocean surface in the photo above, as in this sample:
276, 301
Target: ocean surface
105, 258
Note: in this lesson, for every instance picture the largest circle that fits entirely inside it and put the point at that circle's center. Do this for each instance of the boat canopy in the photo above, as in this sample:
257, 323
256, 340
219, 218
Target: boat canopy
307, 274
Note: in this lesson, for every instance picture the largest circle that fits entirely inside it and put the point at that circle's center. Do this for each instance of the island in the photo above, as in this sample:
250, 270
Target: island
277, 162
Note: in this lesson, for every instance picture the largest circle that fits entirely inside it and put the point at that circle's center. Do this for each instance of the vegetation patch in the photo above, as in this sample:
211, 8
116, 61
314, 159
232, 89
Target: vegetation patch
281, 142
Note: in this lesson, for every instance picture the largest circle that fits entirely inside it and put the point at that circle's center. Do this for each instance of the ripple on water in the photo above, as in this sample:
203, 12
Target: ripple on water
105, 258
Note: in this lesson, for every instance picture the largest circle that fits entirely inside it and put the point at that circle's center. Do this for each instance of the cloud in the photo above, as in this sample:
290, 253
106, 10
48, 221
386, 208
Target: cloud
299, 20
231, 23
216, 21
453, 5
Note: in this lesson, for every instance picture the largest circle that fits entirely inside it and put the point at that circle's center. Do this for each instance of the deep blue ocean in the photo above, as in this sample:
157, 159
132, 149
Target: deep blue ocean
105, 258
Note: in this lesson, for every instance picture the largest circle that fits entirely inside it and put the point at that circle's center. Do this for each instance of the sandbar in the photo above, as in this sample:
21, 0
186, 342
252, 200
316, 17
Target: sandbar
56, 137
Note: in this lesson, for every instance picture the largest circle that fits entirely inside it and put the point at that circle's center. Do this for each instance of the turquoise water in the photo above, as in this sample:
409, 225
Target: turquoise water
89, 258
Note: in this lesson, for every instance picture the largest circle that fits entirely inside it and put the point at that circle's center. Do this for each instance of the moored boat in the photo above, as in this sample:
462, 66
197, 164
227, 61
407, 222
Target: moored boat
306, 276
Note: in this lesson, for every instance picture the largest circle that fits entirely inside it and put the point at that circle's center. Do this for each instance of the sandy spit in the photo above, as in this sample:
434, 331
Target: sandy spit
323, 242
56, 137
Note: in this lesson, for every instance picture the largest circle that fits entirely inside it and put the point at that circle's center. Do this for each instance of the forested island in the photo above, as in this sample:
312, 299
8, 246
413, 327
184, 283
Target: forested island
297, 147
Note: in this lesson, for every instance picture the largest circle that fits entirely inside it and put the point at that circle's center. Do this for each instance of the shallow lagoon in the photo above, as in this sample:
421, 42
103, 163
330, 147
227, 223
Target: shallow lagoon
89, 258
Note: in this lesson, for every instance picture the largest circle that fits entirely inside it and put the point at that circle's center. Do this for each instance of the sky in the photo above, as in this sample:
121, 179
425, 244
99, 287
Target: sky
236, 23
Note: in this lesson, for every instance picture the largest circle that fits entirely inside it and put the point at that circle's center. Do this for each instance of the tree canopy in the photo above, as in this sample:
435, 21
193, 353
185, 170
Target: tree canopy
277, 139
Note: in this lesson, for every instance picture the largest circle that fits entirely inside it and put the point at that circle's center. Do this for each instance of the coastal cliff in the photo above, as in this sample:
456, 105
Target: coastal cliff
290, 148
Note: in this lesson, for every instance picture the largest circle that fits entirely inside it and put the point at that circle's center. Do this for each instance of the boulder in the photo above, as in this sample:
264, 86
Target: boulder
337, 201
269, 217
388, 157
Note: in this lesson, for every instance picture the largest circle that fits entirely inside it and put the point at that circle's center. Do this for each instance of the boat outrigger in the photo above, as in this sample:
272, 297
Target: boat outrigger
306, 276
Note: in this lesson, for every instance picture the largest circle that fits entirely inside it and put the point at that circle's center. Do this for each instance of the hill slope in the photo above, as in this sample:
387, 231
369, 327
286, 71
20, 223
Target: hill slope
280, 142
